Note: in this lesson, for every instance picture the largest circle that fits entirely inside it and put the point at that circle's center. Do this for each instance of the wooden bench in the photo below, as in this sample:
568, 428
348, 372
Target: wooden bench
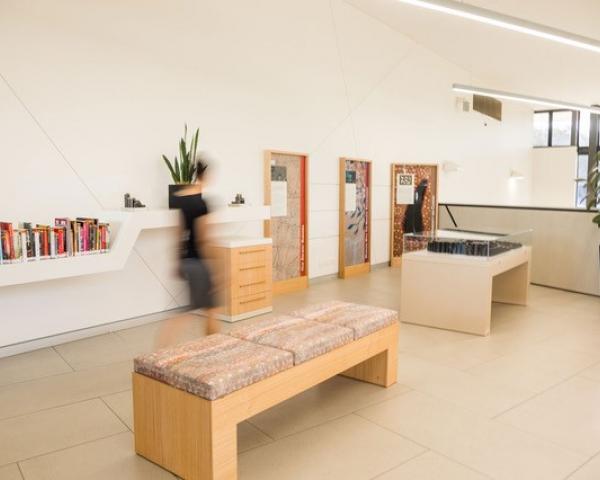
196, 438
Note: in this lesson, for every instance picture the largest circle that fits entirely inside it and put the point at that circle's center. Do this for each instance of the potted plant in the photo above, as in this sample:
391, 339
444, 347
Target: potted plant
182, 169
593, 195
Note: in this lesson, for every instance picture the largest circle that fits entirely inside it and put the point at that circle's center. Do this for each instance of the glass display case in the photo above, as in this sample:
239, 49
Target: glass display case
486, 243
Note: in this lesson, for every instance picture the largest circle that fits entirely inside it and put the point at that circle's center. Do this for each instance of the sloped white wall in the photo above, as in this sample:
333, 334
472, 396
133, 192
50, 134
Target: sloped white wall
93, 92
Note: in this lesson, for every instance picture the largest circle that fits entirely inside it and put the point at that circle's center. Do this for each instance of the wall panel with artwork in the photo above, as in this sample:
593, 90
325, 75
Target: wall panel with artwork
355, 217
414, 203
286, 191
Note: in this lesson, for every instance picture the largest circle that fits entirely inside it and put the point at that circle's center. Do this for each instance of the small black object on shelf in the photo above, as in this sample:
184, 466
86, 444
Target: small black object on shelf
132, 202
239, 200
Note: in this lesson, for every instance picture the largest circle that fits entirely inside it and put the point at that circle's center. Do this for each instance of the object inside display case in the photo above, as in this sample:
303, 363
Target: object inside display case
468, 243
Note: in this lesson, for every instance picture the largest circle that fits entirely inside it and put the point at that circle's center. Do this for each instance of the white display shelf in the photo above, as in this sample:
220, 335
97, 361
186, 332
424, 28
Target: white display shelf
126, 226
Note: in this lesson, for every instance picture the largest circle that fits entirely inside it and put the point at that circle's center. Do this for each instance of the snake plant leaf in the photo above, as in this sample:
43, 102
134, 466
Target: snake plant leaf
177, 171
184, 160
170, 167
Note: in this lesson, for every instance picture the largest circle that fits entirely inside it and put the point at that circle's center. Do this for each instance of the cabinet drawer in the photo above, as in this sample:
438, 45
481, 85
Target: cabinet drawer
253, 256
247, 276
250, 303
252, 288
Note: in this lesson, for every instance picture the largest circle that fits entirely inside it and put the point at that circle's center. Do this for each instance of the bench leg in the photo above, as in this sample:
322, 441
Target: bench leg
382, 369
181, 433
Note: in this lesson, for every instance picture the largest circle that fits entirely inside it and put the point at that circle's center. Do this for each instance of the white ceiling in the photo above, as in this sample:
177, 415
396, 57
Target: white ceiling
505, 60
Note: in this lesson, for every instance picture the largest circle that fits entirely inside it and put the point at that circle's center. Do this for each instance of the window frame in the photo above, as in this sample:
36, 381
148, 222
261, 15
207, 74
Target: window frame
574, 127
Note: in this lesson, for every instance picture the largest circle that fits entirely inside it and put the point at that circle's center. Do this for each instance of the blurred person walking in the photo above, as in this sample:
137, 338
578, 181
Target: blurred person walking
193, 264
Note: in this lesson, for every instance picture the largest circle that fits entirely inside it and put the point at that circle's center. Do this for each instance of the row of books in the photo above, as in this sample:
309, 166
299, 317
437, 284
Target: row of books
66, 238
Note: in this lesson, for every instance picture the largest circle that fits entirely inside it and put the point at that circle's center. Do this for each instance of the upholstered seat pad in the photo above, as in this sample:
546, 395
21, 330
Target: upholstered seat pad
214, 366
362, 319
304, 338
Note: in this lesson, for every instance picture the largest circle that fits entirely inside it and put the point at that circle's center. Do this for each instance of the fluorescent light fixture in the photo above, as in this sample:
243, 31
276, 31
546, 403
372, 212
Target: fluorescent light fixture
507, 22
486, 92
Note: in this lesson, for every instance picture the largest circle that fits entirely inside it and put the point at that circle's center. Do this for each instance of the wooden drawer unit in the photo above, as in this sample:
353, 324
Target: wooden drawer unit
252, 256
251, 303
247, 289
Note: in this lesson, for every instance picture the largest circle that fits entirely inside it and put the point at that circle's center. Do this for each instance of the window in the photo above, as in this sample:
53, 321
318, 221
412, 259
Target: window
563, 128
581, 180
555, 128
584, 129
541, 129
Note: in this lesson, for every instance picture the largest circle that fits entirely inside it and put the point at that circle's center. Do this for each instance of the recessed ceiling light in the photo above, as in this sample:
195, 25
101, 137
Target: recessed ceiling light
507, 22
486, 92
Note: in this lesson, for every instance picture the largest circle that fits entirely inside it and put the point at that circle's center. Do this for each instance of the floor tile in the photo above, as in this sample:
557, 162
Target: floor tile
95, 351
50, 430
348, 448
250, 437
179, 328
431, 466
332, 399
464, 389
568, 415
592, 373
580, 340
31, 365
10, 472
111, 458
546, 367
487, 446
589, 471
122, 406
27, 397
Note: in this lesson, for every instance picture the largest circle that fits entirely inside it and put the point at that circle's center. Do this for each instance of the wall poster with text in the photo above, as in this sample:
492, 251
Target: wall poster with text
355, 216
414, 202
286, 192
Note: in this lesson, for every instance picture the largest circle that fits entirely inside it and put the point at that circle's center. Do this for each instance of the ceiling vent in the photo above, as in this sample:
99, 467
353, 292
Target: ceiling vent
488, 106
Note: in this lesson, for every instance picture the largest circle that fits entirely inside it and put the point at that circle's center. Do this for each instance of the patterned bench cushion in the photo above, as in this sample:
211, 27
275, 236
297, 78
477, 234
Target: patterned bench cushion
362, 319
214, 366
305, 339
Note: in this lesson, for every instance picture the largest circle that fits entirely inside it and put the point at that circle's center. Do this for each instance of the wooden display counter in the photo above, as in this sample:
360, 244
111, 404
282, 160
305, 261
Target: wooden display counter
455, 292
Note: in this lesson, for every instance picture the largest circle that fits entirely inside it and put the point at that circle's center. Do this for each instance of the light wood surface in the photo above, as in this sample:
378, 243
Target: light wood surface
196, 438
291, 285
301, 282
354, 270
455, 292
246, 285
346, 271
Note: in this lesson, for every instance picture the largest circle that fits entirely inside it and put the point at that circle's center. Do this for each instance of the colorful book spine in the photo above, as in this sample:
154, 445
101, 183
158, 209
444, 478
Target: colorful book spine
83, 236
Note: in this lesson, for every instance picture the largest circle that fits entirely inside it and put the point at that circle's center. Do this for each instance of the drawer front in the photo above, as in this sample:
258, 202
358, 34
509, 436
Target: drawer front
250, 303
252, 256
252, 288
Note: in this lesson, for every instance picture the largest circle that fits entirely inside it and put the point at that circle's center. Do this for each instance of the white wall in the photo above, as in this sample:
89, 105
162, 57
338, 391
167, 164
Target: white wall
93, 92
553, 177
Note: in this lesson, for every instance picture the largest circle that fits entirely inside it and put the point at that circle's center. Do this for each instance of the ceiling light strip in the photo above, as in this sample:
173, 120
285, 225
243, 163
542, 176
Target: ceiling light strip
507, 22
486, 92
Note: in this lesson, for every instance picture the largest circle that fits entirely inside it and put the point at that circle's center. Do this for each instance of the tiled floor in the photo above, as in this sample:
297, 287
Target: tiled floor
523, 403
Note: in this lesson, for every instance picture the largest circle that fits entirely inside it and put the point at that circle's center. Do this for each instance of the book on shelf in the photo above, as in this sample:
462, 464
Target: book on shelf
66, 238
